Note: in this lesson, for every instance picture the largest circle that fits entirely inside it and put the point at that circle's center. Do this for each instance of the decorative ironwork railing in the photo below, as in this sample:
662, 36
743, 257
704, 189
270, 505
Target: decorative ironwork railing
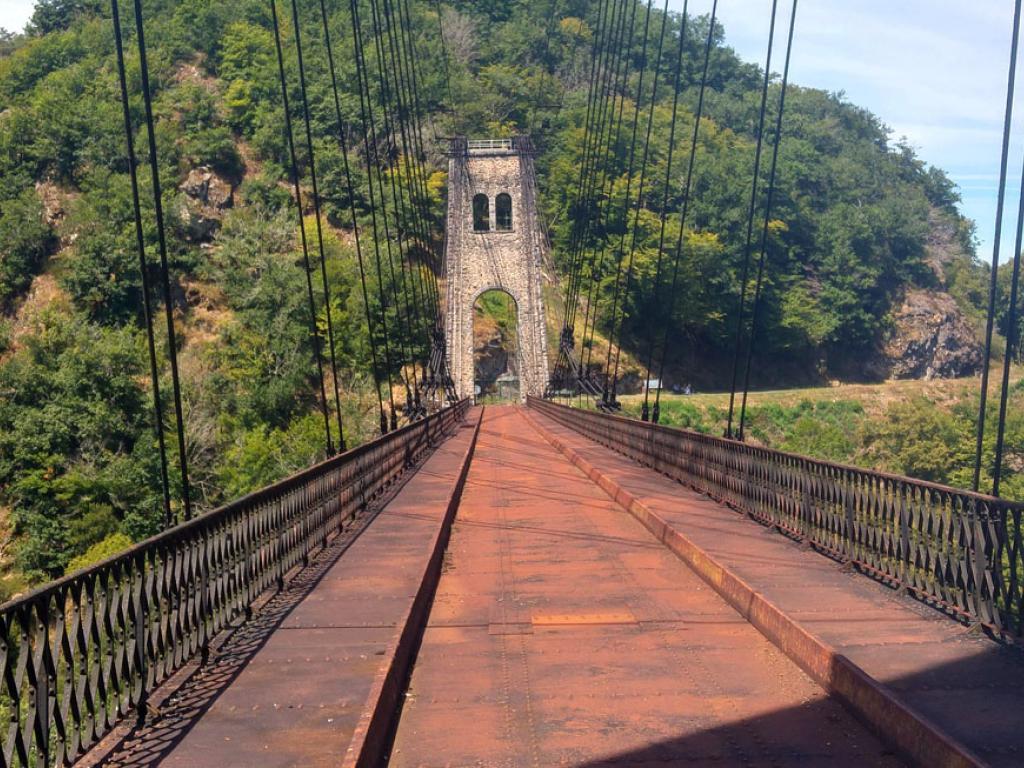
81, 653
959, 550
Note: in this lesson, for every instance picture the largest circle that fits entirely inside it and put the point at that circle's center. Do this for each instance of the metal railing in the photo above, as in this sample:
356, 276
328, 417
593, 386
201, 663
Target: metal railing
958, 550
472, 144
81, 653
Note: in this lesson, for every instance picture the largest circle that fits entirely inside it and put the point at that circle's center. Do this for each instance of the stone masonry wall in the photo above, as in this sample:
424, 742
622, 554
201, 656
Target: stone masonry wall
476, 262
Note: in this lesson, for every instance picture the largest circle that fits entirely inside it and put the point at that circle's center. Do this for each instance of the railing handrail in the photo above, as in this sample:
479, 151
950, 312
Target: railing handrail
489, 143
211, 517
822, 463
954, 548
83, 651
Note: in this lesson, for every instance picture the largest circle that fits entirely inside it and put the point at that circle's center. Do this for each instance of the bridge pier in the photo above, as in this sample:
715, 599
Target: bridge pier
485, 251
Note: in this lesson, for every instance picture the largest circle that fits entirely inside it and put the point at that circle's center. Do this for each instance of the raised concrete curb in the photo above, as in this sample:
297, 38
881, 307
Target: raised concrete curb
372, 733
906, 730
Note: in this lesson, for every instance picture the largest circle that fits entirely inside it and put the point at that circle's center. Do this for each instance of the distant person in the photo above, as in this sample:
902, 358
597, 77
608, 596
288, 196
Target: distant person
688, 390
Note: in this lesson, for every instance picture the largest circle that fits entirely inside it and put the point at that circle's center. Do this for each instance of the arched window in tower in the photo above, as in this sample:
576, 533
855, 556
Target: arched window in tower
481, 214
503, 212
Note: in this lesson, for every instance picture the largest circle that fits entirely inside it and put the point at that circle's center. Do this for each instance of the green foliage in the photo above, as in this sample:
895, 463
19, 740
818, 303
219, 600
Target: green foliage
247, 65
97, 553
501, 308
677, 413
79, 466
916, 439
58, 15
6, 332
263, 455
103, 278
206, 141
824, 429
73, 443
25, 240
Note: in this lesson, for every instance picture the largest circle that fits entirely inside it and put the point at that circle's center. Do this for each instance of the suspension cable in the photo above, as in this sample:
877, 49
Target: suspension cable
428, 287
411, 188
686, 207
996, 243
596, 56
639, 207
599, 156
751, 213
172, 341
767, 221
412, 85
612, 105
351, 192
369, 150
602, 109
593, 297
1011, 342
567, 340
399, 290
392, 87
405, 30
317, 350
439, 354
666, 191
147, 308
319, 227
596, 100
444, 56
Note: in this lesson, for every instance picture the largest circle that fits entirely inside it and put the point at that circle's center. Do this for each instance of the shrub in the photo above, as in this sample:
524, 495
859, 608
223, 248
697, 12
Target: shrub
97, 553
216, 148
25, 241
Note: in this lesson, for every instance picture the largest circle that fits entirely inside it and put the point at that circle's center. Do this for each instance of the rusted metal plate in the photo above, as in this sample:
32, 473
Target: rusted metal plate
894, 658
632, 660
299, 694
510, 629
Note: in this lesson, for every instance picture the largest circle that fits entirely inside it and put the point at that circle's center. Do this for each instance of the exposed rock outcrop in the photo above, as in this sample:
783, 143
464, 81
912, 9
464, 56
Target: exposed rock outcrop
207, 196
942, 245
932, 339
490, 352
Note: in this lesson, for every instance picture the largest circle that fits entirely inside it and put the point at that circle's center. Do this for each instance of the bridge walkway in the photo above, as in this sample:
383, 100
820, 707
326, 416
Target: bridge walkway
554, 628
946, 694
564, 633
307, 680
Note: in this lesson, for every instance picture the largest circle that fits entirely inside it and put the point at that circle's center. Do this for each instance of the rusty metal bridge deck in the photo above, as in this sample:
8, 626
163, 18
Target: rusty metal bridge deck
527, 596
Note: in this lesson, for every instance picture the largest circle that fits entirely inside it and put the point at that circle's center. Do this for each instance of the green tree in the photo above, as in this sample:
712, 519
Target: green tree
25, 241
75, 439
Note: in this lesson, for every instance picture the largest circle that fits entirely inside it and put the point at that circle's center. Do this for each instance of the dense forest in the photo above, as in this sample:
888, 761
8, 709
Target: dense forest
854, 230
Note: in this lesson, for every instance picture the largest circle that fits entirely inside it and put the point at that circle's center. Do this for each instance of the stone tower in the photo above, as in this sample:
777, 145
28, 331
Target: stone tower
494, 241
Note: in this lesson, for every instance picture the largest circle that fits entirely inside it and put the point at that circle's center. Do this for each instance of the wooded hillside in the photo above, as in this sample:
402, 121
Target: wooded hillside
860, 222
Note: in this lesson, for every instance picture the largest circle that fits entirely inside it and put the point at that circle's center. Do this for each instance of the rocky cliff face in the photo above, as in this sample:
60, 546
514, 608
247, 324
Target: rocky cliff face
931, 339
206, 198
491, 352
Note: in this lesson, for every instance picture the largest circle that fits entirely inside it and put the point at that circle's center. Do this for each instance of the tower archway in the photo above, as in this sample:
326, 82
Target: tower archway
496, 359
507, 255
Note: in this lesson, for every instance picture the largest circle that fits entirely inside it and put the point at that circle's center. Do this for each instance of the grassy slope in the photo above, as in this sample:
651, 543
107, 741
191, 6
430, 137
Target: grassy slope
923, 429
875, 399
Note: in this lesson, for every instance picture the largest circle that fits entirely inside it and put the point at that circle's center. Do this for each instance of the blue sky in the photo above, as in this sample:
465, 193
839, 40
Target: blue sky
932, 70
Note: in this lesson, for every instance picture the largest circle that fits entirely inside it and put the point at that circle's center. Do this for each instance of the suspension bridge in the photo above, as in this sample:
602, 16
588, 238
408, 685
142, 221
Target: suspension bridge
536, 583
